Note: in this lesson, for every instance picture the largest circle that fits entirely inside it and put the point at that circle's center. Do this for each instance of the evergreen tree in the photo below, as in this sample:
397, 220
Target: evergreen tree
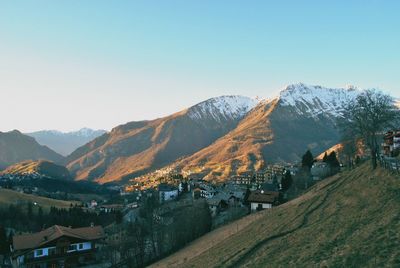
307, 160
286, 181
332, 160
246, 196
118, 217
30, 210
325, 159
4, 246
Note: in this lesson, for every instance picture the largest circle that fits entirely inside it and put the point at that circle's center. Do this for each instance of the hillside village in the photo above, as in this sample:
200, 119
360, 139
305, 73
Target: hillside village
170, 194
225, 202
49, 219
209, 134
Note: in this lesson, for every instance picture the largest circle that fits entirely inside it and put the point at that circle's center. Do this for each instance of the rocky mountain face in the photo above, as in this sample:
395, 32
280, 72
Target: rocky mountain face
16, 147
218, 137
65, 143
280, 130
316, 100
138, 147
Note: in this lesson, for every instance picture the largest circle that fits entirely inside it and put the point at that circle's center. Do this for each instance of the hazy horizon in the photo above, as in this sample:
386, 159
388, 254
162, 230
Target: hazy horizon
67, 65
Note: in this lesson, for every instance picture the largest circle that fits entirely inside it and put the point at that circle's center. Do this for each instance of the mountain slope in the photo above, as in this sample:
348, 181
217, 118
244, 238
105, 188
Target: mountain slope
41, 167
279, 130
349, 220
137, 147
65, 143
9, 197
16, 147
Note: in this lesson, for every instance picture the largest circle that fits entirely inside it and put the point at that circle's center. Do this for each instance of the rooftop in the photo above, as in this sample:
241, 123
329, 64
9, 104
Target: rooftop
36, 240
263, 197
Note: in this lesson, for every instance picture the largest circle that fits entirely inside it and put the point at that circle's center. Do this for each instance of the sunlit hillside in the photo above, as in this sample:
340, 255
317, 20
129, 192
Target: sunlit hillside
351, 219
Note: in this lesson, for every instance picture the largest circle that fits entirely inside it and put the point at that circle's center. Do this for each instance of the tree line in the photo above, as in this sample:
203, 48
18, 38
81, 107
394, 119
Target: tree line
149, 238
31, 218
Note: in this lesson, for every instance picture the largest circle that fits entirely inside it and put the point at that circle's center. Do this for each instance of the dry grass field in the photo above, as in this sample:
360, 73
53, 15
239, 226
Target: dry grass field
9, 197
349, 220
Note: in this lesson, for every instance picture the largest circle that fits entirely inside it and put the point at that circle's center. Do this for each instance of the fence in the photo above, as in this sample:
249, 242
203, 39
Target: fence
390, 163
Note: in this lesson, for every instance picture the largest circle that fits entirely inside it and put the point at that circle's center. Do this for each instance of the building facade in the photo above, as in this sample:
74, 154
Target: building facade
57, 246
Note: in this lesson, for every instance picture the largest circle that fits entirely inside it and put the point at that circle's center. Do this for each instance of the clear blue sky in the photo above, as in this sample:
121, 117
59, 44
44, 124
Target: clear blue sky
71, 64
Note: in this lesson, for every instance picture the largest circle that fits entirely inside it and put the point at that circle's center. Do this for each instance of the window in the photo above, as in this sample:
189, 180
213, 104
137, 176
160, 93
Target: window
73, 247
39, 252
80, 246
52, 251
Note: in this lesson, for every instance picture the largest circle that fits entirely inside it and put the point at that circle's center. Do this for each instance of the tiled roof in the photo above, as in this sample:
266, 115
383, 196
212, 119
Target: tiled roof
36, 240
263, 197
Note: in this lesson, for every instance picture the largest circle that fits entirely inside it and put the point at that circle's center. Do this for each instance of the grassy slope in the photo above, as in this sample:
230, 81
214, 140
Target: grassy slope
8, 197
349, 220
42, 167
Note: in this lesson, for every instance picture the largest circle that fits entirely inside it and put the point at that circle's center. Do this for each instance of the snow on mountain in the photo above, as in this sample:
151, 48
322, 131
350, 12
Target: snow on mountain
227, 107
65, 142
315, 100
88, 132
83, 132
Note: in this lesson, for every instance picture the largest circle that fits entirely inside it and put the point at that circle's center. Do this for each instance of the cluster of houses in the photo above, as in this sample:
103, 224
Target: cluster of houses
268, 175
391, 143
259, 190
22, 176
219, 198
8, 179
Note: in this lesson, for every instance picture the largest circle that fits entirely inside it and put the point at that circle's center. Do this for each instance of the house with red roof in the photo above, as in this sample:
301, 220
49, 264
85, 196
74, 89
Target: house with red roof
57, 246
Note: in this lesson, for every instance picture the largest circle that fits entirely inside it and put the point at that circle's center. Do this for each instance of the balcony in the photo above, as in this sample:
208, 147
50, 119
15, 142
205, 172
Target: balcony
30, 259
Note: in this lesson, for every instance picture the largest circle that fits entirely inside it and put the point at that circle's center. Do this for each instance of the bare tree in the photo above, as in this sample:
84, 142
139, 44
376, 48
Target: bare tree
371, 113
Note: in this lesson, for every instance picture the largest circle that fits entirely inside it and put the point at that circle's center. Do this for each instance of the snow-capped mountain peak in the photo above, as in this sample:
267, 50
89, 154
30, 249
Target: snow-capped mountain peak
88, 132
83, 132
228, 107
315, 100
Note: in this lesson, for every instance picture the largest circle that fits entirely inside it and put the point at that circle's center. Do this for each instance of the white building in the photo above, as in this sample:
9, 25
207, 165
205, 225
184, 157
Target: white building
260, 200
167, 192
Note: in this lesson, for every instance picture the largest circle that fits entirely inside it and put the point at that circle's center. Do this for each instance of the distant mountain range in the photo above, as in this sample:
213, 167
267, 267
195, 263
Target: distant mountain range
65, 143
16, 147
218, 137
214, 139
279, 130
138, 147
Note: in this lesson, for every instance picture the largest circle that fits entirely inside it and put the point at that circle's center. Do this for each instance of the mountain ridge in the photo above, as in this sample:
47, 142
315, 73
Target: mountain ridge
277, 130
40, 167
16, 147
138, 147
65, 143
255, 134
